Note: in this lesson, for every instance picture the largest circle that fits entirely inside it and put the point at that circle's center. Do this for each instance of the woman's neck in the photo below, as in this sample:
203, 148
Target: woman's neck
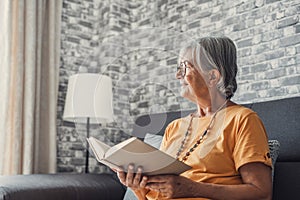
208, 108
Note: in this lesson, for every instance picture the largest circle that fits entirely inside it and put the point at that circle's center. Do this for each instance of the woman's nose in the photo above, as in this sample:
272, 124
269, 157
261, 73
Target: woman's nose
178, 75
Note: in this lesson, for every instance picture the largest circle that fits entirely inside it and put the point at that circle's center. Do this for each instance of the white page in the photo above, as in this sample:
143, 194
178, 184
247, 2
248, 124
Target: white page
99, 148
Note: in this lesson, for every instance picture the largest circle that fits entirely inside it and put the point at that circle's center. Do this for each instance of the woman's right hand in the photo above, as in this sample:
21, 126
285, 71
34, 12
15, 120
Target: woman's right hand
135, 181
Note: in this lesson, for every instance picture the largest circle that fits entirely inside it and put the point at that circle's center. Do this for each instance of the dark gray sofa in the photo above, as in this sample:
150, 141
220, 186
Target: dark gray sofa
281, 119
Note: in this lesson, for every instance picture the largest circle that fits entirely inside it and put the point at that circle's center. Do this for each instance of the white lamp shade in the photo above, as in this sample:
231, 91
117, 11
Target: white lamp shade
89, 95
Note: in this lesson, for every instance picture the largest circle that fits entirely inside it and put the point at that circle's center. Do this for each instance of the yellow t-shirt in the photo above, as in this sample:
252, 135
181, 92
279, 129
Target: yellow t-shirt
237, 137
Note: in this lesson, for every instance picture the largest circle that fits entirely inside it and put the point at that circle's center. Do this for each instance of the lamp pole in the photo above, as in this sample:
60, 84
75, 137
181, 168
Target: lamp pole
87, 146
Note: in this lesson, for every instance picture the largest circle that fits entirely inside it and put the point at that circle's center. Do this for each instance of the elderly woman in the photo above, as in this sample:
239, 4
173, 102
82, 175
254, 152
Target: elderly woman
224, 143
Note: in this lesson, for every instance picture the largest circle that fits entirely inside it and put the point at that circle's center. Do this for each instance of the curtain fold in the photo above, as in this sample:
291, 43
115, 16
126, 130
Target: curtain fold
29, 56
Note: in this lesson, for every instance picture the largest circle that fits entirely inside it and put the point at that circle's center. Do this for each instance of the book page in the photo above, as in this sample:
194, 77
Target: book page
120, 146
151, 159
132, 145
99, 148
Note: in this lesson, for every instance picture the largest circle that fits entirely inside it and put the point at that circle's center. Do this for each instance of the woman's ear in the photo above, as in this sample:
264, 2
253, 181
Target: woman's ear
213, 77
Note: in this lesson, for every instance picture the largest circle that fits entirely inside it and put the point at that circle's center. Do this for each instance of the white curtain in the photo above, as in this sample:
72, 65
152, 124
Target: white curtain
29, 71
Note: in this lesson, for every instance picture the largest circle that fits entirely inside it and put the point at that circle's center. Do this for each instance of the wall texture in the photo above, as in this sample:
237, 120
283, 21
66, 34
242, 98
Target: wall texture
136, 43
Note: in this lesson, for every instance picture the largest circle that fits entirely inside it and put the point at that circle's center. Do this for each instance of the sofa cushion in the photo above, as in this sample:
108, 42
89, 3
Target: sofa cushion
274, 146
153, 139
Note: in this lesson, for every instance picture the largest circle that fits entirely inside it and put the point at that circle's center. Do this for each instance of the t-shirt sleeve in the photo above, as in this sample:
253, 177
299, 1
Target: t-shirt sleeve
251, 143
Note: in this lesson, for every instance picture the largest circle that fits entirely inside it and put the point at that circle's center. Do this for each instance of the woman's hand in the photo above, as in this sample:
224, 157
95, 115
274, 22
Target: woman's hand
135, 181
171, 186
132, 180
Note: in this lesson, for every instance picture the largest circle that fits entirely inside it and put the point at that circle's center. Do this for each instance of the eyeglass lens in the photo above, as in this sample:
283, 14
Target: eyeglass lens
182, 69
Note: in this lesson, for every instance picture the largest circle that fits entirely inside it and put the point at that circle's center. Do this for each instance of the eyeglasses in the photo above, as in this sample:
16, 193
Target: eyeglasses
181, 69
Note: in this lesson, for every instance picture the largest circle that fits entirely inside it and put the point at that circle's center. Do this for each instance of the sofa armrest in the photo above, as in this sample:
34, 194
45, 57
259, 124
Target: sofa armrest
60, 187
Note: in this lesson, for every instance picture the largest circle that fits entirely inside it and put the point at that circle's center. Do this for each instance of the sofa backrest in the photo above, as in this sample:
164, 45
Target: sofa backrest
282, 122
280, 117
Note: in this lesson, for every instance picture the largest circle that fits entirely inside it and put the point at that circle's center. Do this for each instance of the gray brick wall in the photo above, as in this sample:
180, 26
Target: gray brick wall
136, 43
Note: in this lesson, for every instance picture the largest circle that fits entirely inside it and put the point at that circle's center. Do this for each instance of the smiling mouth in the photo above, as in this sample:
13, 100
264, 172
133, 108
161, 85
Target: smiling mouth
184, 84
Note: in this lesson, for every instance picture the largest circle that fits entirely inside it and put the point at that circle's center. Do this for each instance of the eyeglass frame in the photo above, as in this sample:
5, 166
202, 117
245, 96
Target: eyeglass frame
185, 64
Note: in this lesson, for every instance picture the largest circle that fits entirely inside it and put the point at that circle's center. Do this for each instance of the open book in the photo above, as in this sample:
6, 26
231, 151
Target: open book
135, 151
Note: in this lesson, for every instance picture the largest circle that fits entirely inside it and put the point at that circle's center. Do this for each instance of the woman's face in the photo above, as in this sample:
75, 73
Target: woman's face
193, 84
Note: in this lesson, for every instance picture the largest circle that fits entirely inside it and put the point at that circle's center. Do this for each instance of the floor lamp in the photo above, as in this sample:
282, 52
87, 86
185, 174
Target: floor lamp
89, 101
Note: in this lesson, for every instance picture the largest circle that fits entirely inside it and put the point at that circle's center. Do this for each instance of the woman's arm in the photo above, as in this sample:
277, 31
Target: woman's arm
257, 184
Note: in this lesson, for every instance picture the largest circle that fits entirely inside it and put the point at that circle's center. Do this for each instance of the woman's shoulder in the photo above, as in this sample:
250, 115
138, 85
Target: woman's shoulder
240, 111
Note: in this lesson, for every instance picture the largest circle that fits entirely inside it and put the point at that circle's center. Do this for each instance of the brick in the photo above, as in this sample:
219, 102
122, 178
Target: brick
291, 40
246, 77
73, 40
274, 54
292, 70
216, 17
274, 83
260, 85
275, 73
125, 11
287, 22
290, 51
65, 169
174, 18
259, 67
271, 1
246, 96
287, 61
144, 22
244, 70
163, 71
244, 43
202, 1
74, 1
124, 23
276, 92
172, 61
297, 28
231, 20
77, 161
295, 89
290, 80
246, 6
239, 27
194, 24
77, 147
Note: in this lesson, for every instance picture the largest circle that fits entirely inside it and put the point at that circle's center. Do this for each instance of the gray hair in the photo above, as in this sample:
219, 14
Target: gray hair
216, 53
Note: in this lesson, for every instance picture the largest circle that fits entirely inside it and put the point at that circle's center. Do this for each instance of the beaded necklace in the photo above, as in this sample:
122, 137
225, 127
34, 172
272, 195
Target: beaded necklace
199, 141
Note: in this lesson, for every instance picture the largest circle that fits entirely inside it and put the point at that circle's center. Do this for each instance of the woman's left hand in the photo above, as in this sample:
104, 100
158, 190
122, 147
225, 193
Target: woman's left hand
170, 186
